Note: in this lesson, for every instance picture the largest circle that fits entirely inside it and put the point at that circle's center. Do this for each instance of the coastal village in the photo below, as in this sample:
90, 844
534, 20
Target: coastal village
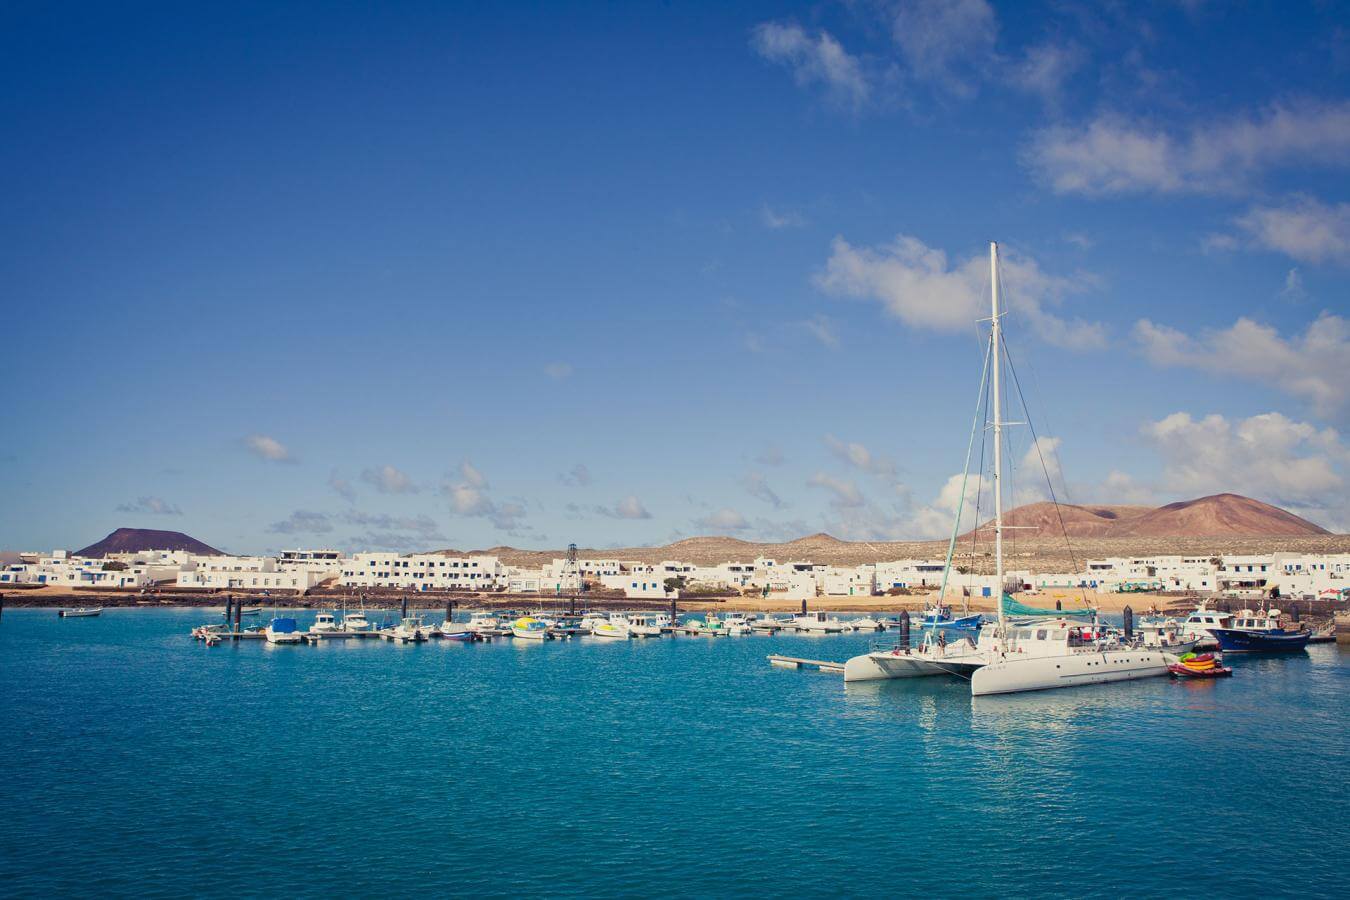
1297, 576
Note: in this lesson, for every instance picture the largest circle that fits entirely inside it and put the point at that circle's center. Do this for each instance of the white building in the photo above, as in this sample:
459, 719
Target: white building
246, 573
423, 572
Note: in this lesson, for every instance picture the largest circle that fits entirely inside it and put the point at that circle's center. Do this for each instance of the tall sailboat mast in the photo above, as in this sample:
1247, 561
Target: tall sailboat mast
998, 434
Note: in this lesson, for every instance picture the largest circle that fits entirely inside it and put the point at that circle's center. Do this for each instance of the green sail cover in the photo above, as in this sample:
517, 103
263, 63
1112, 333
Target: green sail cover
1013, 608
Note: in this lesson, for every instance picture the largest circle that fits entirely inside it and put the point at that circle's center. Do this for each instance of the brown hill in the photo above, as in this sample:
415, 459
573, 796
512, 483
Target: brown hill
129, 540
1220, 515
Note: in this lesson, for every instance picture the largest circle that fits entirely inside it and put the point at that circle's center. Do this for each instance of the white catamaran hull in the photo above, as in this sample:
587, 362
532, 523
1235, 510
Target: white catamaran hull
1041, 673
884, 664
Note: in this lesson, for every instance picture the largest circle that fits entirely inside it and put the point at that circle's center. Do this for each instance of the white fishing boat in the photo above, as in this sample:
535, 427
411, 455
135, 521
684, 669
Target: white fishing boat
1198, 624
325, 623
356, 623
866, 623
530, 629
282, 630
643, 625
453, 630
709, 626
84, 612
765, 623
819, 623
483, 622
736, 624
614, 628
410, 630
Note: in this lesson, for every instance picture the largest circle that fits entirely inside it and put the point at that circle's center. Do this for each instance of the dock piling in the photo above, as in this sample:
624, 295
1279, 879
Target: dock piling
1128, 616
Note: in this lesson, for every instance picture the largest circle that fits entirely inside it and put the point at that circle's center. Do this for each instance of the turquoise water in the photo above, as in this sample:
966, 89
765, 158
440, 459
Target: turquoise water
138, 761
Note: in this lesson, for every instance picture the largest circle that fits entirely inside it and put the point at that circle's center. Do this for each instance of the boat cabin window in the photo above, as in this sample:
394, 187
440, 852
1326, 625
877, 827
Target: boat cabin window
1041, 634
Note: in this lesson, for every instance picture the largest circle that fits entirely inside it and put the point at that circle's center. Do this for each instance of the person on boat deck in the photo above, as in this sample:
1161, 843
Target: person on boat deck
942, 639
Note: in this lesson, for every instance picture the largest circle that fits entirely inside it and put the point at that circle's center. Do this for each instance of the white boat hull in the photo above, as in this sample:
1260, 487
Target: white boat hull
883, 664
527, 634
1042, 673
290, 637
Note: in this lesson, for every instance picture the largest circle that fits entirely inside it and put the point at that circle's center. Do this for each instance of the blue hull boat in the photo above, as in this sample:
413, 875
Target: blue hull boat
967, 623
1234, 640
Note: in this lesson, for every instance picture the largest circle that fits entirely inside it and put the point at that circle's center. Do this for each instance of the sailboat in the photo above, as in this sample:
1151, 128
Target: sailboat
1026, 649
1042, 649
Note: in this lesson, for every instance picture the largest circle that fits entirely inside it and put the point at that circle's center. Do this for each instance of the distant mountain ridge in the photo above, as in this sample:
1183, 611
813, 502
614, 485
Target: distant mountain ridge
1222, 523
1219, 515
130, 540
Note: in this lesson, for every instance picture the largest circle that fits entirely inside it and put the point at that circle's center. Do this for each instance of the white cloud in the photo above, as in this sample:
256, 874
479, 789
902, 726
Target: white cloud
155, 506
303, 522
1045, 68
858, 456
577, 476
268, 448
915, 283
629, 507
1112, 154
1292, 464
1039, 470
846, 493
1314, 367
389, 480
822, 329
813, 60
1303, 228
1293, 290
722, 521
946, 41
558, 370
770, 456
472, 476
757, 486
342, 487
470, 498
777, 219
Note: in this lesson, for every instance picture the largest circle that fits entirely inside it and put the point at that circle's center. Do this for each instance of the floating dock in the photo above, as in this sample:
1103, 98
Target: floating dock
793, 662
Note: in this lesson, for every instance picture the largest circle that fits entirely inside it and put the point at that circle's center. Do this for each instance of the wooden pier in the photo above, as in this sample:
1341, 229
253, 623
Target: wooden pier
793, 662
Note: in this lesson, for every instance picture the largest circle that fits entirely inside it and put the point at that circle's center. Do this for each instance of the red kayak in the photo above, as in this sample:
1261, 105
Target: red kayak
1182, 671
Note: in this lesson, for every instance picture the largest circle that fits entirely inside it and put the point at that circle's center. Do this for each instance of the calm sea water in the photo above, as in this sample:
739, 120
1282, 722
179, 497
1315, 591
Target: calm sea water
138, 761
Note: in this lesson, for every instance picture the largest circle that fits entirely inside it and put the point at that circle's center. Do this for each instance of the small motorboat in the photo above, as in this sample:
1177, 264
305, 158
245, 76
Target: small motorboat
325, 623
736, 624
1189, 665
410, 630
819, 623
247, 611
866, 623
530, 629
614, 629
356, 623
282, 630
83, 612
941, 617
644, 626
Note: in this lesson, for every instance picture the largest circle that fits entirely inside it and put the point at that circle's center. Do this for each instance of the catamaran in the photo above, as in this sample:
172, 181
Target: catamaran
1026, 649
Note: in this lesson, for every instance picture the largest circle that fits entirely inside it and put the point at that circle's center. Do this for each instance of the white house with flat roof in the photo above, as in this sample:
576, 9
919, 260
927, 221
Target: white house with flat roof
423, 572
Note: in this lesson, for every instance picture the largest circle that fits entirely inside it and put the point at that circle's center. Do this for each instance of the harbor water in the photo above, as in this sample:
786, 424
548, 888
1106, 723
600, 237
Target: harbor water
138, 761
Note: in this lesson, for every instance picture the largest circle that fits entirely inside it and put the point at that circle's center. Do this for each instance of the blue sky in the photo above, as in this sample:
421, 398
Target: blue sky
422, 275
